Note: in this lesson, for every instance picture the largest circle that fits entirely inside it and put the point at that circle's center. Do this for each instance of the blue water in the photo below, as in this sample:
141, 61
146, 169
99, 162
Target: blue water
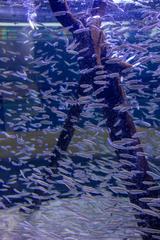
38, 82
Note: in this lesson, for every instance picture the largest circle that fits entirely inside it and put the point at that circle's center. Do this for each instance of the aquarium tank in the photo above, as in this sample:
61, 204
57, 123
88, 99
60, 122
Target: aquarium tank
79, 119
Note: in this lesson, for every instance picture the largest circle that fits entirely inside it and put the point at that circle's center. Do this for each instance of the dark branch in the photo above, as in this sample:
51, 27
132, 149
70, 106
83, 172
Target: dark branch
64, 16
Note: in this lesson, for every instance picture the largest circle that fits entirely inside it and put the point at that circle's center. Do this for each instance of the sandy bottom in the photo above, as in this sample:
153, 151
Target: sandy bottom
86, 218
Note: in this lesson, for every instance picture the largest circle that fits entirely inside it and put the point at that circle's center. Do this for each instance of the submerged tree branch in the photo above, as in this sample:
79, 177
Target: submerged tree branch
119, 123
